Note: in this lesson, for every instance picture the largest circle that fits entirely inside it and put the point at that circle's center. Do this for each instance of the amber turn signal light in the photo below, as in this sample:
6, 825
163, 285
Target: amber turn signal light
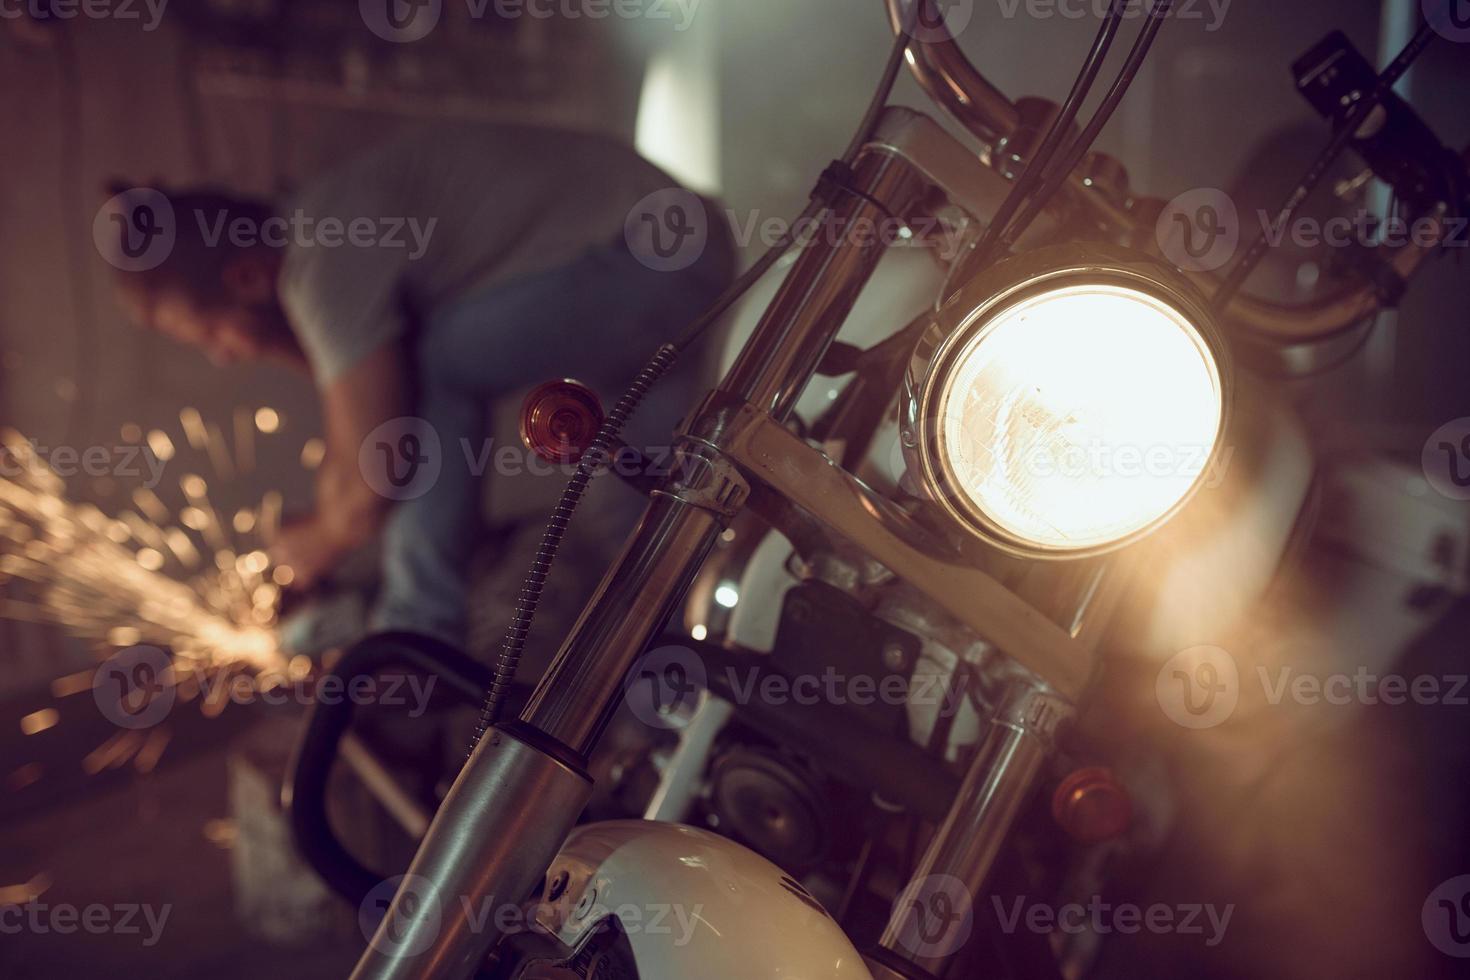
1092, 806
560, 420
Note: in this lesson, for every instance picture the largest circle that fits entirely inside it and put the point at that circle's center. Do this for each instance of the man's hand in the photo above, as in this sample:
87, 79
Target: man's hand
309, 548
348, 510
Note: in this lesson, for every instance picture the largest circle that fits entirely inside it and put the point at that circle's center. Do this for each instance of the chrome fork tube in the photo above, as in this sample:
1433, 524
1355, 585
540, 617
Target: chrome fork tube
494, 795
581, 689
934, 915
803, 319
682, 523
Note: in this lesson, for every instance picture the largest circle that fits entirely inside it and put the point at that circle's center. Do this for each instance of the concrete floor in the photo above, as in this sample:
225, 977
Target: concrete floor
163, 840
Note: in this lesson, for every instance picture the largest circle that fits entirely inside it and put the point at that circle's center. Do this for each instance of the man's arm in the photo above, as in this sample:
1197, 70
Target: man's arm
348, 510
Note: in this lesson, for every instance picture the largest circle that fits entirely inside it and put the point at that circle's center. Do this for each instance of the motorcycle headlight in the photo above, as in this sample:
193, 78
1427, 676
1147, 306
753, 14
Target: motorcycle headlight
1069, 401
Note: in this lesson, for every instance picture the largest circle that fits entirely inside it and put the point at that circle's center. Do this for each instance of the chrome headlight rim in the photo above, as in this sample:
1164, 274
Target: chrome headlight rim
982, 302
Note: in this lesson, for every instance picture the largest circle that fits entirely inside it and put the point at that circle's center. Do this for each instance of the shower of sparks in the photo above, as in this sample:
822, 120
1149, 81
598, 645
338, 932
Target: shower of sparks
196, 582
129, 579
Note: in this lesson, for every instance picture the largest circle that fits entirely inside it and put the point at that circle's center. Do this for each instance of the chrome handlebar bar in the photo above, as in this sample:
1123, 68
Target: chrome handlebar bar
955, 84
950, 79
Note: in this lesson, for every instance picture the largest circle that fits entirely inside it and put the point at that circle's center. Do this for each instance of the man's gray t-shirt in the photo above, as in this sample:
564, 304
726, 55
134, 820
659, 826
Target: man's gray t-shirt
431, 217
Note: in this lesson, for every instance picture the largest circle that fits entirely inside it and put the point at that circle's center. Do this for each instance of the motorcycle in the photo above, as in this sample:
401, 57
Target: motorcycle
913, 483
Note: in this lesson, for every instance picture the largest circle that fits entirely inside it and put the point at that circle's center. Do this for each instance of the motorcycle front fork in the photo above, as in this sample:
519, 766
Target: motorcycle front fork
936, 913
521, 791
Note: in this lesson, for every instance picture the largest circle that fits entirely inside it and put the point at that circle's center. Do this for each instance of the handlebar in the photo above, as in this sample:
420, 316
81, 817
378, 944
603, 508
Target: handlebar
949, 78
304, 794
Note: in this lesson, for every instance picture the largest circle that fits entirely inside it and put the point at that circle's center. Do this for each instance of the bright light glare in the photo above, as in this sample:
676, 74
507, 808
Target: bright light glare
1080, 416
727, 596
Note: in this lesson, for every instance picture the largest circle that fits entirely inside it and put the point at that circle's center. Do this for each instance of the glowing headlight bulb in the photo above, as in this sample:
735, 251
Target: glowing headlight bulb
1071, 414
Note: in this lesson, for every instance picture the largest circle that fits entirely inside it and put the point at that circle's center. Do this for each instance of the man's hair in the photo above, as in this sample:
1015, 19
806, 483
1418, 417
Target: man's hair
195, 264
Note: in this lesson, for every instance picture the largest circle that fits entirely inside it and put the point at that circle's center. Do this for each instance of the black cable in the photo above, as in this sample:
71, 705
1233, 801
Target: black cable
1058, 173
885, 84
727, 299
1247, 263
1035, 168
597, 455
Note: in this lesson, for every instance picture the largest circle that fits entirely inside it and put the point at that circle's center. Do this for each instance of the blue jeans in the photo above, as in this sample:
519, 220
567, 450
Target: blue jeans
598, 320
